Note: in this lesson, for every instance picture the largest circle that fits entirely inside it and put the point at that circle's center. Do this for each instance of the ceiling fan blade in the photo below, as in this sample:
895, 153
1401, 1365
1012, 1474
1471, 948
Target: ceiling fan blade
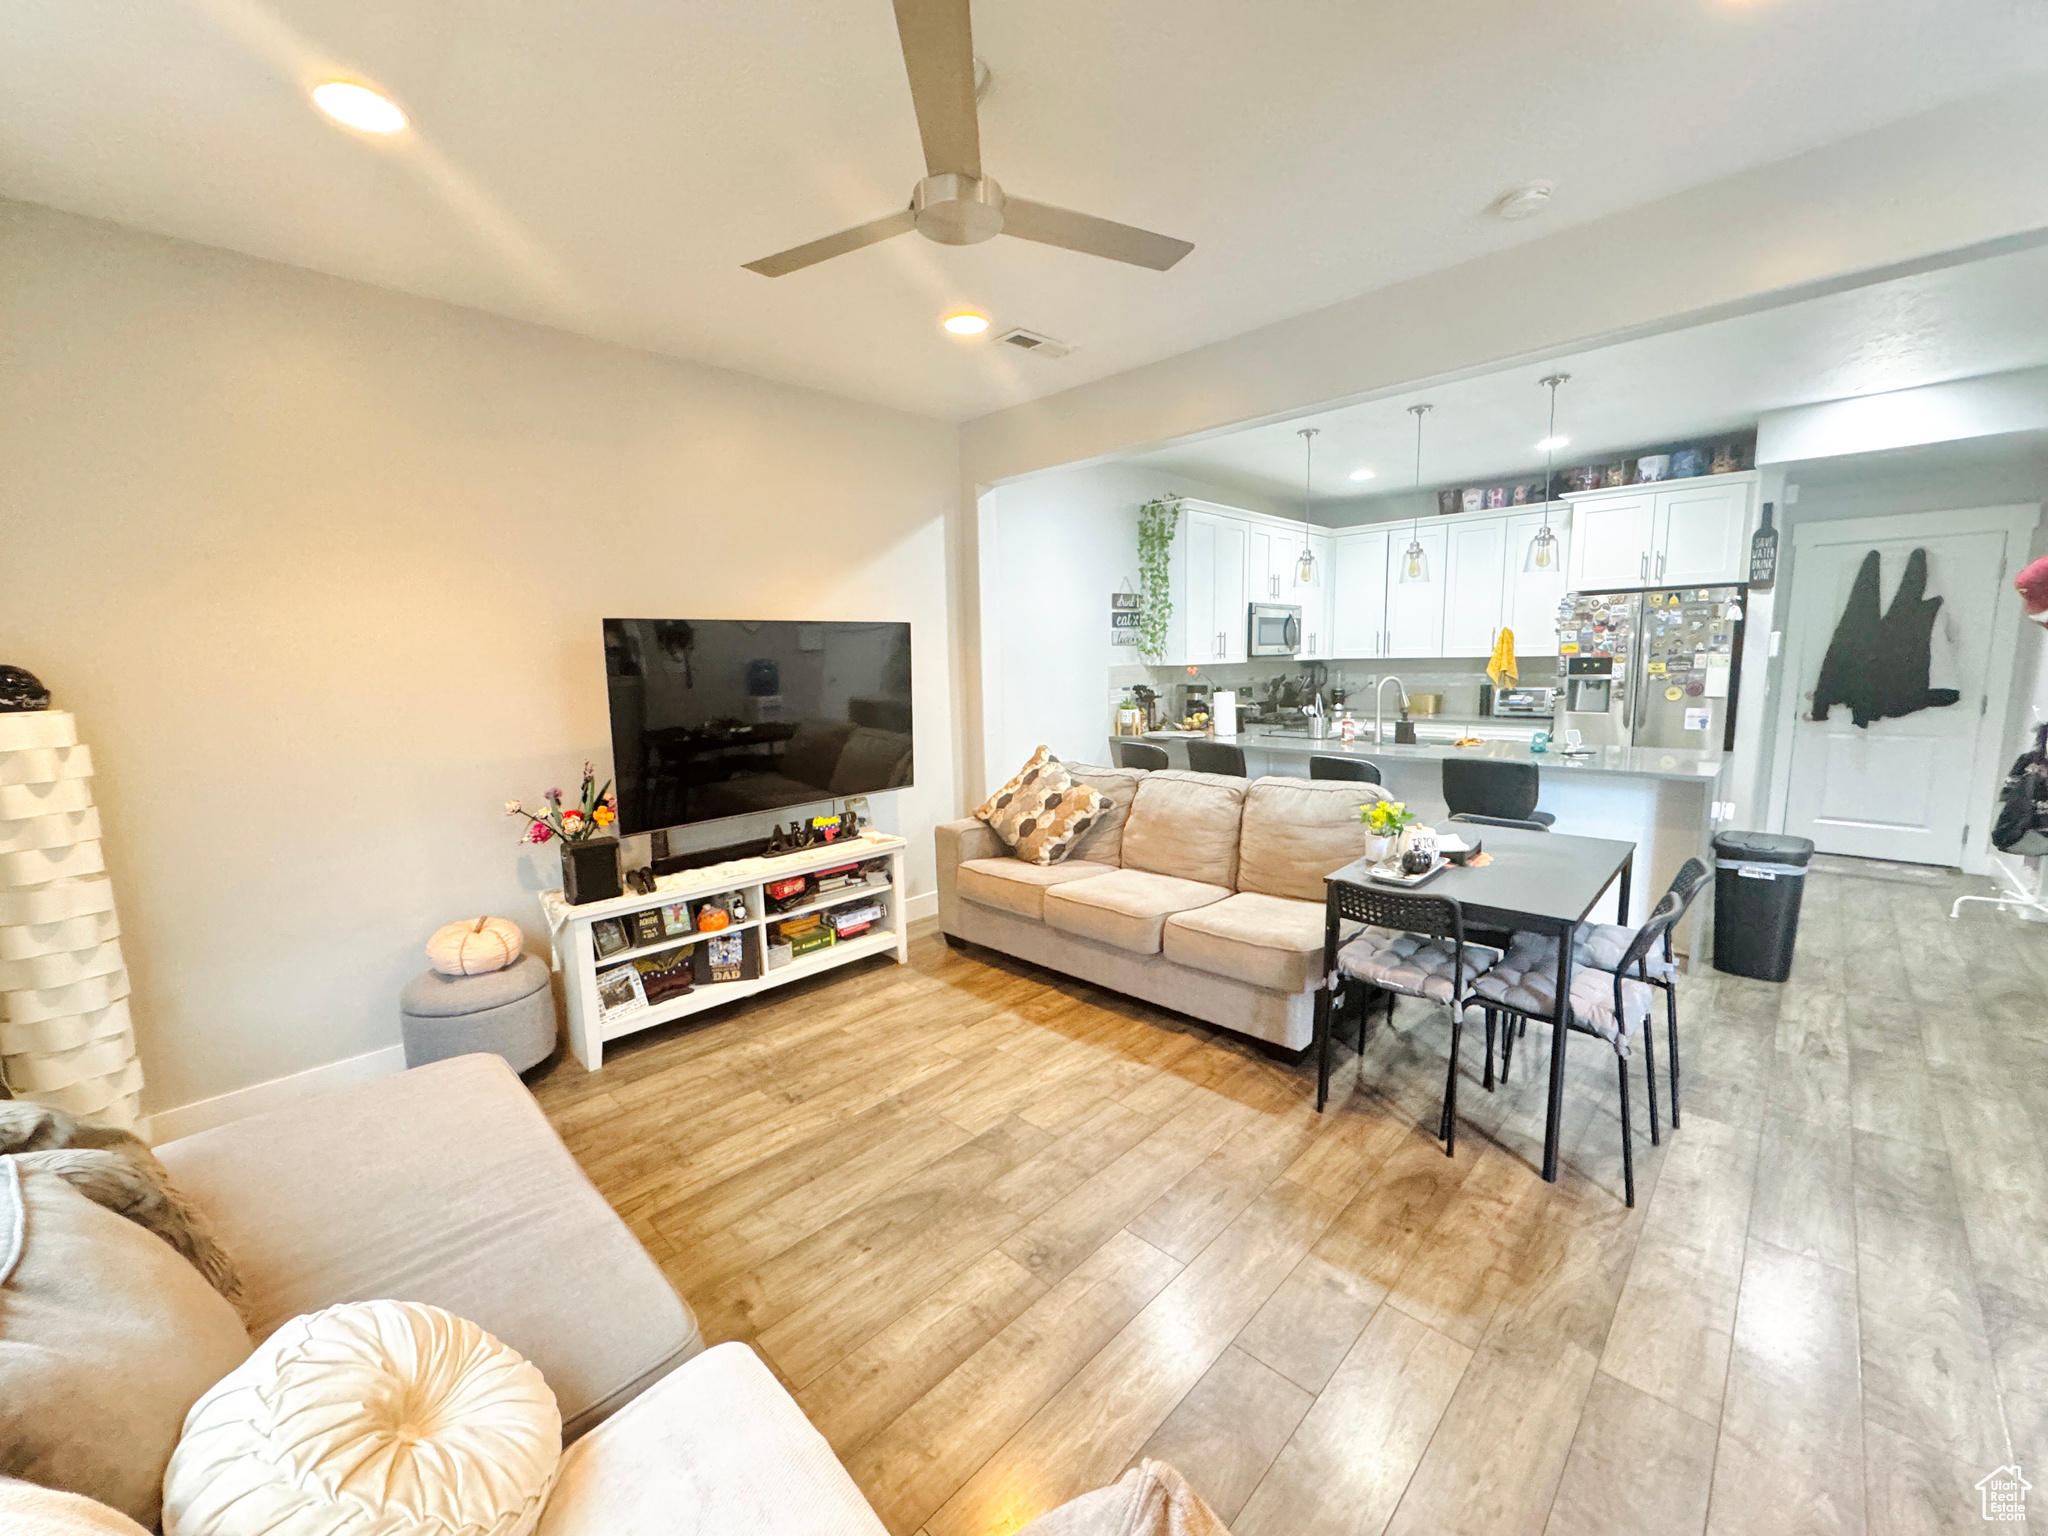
1092, 236
801, 256
938, 50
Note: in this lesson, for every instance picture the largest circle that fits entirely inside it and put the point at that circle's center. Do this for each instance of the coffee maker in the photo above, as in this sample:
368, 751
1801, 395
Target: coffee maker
1193, 699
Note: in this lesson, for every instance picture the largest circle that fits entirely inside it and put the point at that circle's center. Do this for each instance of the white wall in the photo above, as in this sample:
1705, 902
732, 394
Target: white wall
1053, 549
320, 568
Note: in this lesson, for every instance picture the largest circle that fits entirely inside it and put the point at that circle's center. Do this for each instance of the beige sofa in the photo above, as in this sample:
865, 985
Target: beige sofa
446, 1185
1196, 892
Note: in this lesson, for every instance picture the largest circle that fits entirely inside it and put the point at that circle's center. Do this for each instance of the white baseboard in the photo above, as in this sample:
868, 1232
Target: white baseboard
917, 908
187, 1119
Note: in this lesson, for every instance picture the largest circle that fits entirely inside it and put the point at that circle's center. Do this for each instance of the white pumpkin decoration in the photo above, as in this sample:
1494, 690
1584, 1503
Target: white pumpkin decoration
473, 947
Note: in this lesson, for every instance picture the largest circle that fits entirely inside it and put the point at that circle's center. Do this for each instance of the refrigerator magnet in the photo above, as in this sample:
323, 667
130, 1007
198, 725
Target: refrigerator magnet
1674, 693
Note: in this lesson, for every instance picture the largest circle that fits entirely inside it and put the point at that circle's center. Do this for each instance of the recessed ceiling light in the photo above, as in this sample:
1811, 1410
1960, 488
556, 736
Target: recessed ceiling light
358, 106
1521, 202
1361, 474
1552, 444
965, 323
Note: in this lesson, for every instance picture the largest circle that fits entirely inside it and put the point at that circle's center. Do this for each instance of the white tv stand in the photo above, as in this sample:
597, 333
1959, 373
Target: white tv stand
575, 951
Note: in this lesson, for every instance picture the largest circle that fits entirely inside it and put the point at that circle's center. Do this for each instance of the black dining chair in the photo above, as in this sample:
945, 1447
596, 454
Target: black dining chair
1216, 757
1482, 786
1357, 770
1140, 754
1502, 821
1611, 1004
1411, 946
1602, 946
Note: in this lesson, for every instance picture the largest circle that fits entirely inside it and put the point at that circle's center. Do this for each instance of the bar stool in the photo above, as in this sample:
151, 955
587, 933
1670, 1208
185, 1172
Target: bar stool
1140, 754
1358, 770
1485, 787
1223, 757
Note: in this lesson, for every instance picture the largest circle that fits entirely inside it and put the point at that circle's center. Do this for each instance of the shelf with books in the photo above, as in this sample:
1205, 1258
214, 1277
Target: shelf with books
711, 995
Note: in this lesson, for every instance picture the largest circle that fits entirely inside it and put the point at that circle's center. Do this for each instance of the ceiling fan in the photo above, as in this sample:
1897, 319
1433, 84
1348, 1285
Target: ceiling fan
955, 204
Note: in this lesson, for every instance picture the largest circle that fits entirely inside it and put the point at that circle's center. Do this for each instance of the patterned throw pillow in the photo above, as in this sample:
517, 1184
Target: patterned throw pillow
1042, 812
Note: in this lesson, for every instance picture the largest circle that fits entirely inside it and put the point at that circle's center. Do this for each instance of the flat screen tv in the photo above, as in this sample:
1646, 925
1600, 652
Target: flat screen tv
714, 718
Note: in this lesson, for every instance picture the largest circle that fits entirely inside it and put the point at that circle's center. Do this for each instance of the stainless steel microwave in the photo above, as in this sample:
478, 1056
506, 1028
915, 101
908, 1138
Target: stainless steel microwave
1275, 630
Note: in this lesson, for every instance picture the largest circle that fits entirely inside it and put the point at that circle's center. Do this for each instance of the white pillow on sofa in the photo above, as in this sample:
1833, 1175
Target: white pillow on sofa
376, 1418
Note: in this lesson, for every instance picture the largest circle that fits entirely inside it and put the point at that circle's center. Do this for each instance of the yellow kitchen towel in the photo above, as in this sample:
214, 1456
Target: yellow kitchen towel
1502, 668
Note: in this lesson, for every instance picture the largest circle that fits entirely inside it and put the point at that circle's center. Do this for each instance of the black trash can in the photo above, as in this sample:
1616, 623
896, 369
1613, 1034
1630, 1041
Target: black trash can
1758, 880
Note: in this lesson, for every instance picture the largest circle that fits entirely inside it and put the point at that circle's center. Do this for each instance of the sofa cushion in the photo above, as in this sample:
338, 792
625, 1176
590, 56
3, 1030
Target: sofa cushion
1064, 812
1103, 842
107, 1337
379, 1418
717, 1449
1269, 941
27, 1509
444, 1185
1185, 825
1296, 831
1011, 885
1007, 806
1127, 909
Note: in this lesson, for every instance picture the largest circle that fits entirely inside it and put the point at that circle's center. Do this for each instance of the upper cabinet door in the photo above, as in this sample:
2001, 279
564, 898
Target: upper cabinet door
1474, 571
1262, 564
1415, 608
1702, 535
1230, 604
1313, 597
1358, 596
1534, 592
1612, 544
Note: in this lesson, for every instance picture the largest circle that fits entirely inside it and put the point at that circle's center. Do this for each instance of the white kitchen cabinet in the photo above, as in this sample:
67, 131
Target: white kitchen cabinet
1702, 533
1689, 533
1265, 577
1313, 597
1475, 579
1415, 608
1533, 595
1212, 594
1612, 542
1358, 594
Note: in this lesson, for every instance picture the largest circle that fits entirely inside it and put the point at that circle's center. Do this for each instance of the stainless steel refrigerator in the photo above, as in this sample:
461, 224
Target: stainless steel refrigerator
1650, 669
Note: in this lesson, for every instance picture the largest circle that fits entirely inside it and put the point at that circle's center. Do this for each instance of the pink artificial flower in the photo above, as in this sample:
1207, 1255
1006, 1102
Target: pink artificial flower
539, 832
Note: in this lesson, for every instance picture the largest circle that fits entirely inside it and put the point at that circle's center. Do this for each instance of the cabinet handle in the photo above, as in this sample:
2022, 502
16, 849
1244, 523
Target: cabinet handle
1643, 570
1660, 564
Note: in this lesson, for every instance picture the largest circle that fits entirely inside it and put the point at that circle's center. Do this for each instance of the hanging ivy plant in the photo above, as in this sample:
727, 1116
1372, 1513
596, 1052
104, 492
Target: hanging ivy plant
1157, 521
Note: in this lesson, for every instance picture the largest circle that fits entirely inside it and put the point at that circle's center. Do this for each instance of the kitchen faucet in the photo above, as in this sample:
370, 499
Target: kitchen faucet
1379, 695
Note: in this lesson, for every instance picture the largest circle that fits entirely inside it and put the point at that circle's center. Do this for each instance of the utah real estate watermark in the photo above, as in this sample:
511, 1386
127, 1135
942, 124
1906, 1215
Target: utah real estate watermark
2004, 1493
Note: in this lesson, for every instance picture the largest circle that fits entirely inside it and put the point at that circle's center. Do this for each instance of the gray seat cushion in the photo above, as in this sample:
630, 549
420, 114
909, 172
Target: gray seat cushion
1525, 980
1602, 946
1410, 963
443, 1185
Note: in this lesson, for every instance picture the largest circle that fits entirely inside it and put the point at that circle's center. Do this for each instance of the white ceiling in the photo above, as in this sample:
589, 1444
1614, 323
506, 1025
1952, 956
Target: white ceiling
1982, 317
607, 168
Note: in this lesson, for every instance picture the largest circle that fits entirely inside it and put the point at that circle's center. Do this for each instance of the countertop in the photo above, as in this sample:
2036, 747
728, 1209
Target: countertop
1685, 763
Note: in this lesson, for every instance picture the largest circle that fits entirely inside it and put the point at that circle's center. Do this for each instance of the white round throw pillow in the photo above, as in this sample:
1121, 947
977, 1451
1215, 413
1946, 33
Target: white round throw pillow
378, 1418
475, 945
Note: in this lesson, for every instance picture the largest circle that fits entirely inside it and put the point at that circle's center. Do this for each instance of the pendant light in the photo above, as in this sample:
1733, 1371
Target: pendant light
1305, 569
1415, 559
1543, 547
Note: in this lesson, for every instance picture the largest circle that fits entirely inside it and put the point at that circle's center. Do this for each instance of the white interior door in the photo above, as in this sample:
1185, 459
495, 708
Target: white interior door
1901, 788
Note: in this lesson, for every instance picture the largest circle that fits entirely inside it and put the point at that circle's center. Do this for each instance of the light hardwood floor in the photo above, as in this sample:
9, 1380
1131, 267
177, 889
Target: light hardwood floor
1003, 1233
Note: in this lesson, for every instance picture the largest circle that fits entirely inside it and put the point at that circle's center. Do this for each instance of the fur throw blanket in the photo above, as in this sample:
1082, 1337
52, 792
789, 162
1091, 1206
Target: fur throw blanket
114, 1169
1151, 1499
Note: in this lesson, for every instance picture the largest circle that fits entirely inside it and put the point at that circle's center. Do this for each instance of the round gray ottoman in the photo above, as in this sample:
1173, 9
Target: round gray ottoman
508, 1013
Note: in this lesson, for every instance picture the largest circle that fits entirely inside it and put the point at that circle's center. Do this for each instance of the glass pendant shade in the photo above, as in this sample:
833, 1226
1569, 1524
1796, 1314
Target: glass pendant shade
1542, 550
1415, 562
1415, 559
1305, 567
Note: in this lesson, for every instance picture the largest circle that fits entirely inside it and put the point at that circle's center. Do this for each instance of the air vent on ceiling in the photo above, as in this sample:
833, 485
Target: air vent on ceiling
1031, 341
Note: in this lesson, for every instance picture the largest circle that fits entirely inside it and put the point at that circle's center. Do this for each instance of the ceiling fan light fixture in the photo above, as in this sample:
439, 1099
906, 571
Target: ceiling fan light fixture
965, 323
357, 106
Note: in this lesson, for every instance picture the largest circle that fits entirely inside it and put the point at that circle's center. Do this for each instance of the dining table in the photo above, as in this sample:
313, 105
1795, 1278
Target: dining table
1533, 882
